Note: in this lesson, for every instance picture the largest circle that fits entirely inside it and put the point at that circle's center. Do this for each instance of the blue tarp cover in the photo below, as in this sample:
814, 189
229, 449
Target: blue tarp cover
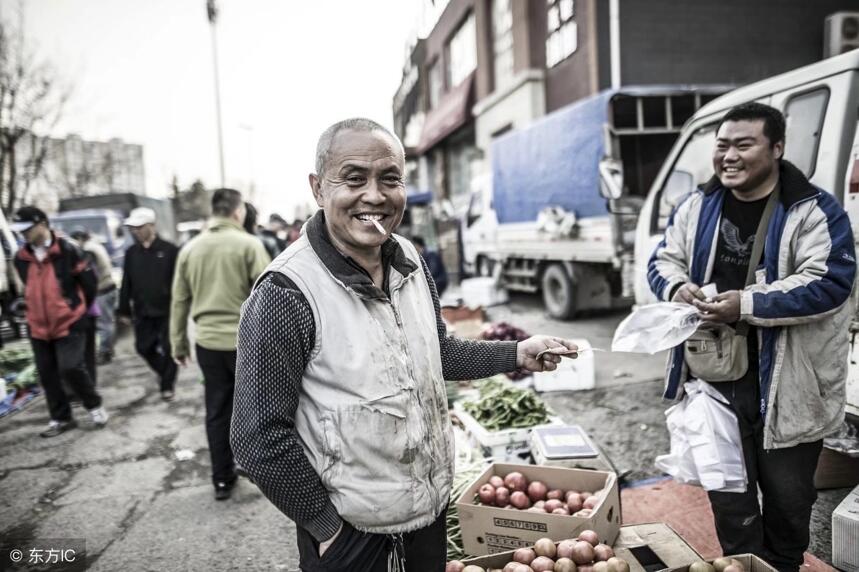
554, 162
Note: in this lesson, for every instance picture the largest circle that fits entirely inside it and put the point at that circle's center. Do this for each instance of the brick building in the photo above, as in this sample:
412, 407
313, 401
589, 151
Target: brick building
485, 67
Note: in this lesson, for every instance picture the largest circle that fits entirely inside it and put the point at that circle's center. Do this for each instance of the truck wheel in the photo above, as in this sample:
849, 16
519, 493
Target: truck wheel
559, 292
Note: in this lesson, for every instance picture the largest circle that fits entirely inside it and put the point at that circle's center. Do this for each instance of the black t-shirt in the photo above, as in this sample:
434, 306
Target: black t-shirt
733, 250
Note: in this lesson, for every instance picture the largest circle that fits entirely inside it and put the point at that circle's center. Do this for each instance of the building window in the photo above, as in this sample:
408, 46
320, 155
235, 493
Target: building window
434, 83
461, 153
462, 53
502, 41
563, 36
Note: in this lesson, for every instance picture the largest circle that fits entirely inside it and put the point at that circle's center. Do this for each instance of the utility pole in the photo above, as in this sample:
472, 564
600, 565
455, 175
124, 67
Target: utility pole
212, 12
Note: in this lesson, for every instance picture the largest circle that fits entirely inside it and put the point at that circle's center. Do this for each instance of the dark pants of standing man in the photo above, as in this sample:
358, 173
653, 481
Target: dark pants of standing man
424, 550
777, 531
152, 342
219, 373
60, 359
90, 348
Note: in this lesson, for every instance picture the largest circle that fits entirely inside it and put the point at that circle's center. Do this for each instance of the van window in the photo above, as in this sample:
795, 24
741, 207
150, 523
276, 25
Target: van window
804, 115
694, 167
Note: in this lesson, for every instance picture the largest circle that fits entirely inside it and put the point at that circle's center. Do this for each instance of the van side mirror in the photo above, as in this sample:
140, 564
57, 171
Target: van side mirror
679, 184
611, 179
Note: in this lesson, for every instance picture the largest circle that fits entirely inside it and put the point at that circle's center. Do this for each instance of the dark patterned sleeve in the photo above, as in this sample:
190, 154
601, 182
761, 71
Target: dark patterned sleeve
276, 337
468, 359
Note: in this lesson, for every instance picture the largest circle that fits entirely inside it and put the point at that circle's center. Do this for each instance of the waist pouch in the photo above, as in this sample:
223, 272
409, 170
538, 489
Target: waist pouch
717, 353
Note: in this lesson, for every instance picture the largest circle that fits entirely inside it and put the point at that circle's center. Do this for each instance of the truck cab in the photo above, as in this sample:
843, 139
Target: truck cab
820, 103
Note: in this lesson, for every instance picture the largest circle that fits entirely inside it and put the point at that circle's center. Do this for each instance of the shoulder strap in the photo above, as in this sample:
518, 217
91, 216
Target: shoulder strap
758, 247
760, 236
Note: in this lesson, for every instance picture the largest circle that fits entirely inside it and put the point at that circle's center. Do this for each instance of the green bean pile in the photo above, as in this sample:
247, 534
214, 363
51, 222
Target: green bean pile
465, 474
502, 406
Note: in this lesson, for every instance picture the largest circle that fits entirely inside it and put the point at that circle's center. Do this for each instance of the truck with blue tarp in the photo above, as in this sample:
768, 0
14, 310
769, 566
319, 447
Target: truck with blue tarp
558, 214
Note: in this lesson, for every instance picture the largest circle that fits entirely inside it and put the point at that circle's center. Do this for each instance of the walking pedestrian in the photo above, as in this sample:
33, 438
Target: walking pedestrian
59, 287
780, 252
434, 263
107, 293
214, 275
341, 410
251, 227
144, 297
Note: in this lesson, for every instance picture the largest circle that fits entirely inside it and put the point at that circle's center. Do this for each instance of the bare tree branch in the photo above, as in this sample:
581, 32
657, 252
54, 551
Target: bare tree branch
32, 100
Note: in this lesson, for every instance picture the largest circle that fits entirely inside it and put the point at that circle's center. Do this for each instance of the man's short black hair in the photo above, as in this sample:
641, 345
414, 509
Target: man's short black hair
773, 119
419, 241
225, 202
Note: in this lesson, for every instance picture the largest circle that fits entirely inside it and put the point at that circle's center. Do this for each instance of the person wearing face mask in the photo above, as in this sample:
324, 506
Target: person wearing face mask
791, 295
144, 297
59, 287
340, 413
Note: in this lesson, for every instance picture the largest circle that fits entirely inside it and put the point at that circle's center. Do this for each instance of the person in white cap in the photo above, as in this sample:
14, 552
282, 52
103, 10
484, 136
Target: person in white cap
59, 287
144, 297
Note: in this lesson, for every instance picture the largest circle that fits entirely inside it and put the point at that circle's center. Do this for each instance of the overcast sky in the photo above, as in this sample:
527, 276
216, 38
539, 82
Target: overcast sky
142, 71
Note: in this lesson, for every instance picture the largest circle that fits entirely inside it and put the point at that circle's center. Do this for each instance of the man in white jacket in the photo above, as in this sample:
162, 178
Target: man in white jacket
798, 314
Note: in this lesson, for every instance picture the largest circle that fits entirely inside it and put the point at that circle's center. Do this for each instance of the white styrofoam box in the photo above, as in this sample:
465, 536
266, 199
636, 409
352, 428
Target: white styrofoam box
845, 533
572, 374
483, 291
505, 445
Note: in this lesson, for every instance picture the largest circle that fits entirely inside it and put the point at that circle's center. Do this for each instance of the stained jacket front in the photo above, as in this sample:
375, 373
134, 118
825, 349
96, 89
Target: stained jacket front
372, 413
800, 301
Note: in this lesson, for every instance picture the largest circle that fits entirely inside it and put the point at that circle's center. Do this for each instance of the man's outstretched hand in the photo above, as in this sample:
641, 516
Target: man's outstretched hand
527, 350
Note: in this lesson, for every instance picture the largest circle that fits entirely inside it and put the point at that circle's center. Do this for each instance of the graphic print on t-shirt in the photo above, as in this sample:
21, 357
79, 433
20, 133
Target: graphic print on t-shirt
735, 240
737, 250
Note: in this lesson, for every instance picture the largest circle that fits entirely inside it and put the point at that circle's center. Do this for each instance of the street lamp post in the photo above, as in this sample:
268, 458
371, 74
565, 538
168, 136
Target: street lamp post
212, 12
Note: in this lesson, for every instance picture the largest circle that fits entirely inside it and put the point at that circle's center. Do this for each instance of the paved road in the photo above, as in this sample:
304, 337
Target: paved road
140, 508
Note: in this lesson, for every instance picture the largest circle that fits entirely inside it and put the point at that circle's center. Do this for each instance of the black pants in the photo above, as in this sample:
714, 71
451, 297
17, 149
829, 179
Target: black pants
778, 531
425, 550
219, 372
64, 359
152, 342
90, 348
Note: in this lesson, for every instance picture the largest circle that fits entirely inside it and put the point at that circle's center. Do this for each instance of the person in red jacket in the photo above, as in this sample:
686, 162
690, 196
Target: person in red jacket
59, 286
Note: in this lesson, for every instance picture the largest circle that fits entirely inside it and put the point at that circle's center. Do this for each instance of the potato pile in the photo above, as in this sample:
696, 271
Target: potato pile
514, 491
584, 554
718, 565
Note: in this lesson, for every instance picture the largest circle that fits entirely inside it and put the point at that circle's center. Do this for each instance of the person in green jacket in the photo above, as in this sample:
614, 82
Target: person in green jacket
214, 275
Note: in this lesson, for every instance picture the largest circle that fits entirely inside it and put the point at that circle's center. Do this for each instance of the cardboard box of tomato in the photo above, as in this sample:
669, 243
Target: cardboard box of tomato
490, 529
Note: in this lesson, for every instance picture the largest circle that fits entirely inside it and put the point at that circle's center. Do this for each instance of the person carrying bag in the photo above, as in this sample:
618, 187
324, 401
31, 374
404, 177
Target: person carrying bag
719, 352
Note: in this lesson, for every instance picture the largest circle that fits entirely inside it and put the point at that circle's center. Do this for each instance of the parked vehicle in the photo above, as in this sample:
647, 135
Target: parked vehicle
820, 103
103, 216
558, 214
123, 203
104, 225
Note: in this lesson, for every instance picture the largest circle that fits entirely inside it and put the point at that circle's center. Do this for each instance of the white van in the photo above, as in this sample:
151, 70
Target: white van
820, 103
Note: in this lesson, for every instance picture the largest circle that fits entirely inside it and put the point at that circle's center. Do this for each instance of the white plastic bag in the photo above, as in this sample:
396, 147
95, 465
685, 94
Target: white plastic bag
679, 463
656, 327
706, 447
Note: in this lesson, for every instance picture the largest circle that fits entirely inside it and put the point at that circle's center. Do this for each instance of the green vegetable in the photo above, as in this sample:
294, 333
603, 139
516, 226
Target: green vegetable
27, 378
466, 472
502, 406
15, 359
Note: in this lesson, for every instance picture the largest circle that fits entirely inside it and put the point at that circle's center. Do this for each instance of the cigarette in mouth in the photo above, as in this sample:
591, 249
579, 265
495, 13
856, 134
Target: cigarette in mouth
379, 227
